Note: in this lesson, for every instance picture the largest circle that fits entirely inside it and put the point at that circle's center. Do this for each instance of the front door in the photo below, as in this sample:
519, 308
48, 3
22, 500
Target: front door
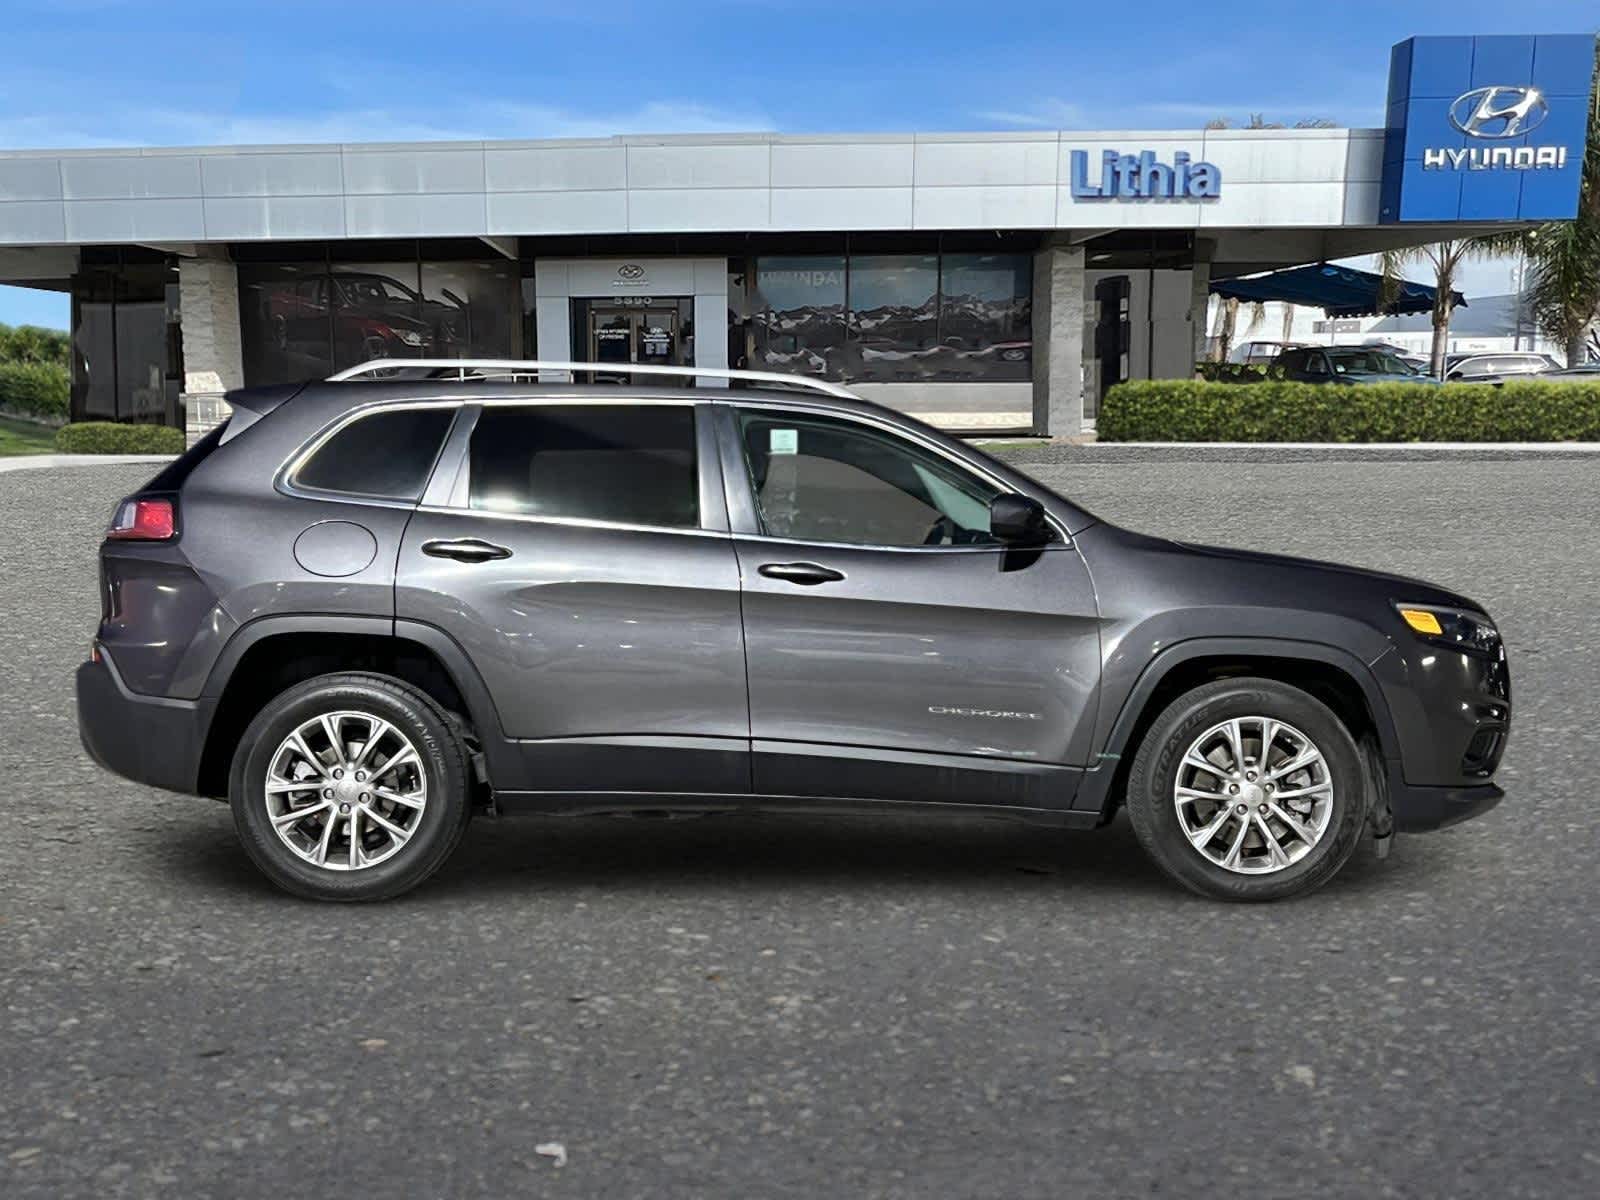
896, 650
584, 566
643, 335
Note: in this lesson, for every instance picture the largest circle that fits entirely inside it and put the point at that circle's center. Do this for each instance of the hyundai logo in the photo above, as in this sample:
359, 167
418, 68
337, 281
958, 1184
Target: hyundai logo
630, 271
1499, 112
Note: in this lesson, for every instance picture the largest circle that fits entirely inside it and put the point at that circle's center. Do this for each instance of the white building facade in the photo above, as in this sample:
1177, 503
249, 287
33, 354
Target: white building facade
986, 281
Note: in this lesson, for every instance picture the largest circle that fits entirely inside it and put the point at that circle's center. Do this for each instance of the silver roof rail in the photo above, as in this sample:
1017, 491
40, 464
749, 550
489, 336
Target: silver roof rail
530, 366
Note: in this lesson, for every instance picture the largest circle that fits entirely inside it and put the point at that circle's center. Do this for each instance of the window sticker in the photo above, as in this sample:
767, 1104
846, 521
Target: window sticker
783, 441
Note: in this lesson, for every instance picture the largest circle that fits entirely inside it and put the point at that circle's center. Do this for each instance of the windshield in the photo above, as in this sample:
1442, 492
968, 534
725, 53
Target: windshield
1367, 362
374, 290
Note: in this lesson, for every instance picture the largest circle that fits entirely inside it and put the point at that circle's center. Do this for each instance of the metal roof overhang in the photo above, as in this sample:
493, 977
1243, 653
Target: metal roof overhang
1338, 291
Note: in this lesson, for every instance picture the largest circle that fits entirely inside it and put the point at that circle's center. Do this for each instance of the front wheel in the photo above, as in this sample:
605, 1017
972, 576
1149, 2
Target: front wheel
349, 787
1248, 789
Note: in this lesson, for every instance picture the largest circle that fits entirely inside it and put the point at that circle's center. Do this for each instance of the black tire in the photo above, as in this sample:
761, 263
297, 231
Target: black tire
1155, 769
444, 762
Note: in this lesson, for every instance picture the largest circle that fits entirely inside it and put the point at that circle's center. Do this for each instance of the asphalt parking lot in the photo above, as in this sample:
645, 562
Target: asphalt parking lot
766, 1007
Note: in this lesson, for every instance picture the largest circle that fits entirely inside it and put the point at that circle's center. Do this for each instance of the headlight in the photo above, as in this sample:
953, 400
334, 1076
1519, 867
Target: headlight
410, 337
1471, 632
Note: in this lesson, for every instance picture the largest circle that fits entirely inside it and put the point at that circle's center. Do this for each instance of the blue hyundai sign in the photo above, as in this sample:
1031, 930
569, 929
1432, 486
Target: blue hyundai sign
1486, 128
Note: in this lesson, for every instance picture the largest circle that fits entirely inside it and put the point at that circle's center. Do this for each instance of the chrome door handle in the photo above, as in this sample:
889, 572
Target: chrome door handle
807, 574
468, 550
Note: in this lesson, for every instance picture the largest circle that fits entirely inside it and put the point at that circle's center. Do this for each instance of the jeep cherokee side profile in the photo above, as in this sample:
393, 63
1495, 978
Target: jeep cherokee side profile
366, 608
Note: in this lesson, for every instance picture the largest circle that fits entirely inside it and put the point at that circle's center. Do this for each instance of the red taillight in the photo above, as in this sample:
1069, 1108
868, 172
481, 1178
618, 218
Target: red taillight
143, 521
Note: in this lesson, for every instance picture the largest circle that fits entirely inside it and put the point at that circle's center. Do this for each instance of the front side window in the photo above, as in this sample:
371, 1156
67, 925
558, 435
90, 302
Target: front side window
630, 464
822, 479
385, 455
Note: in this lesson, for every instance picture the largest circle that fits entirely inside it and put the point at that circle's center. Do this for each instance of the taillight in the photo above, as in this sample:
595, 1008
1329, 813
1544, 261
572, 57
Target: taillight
144, 520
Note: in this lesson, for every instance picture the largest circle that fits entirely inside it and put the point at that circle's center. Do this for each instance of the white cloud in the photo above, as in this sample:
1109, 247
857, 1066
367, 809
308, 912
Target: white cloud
467, 119
1045, 113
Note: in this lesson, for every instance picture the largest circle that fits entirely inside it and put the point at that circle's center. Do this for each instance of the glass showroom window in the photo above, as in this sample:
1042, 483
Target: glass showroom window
799, 314
306, 320
985, 317
284, 322
894, 318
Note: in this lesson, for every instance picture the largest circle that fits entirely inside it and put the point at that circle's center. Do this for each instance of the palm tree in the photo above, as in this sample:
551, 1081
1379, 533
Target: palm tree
1564, 256
1227, 321
1445, 258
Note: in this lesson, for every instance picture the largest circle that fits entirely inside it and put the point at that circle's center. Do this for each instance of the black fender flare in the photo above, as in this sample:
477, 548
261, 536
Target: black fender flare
1094, 792
481, 708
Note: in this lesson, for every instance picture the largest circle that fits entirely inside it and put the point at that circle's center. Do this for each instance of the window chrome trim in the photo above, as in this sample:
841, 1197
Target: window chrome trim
1063, 537
576, 522
284, 479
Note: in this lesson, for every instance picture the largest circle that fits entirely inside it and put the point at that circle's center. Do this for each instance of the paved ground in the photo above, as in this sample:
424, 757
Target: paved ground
783, 1007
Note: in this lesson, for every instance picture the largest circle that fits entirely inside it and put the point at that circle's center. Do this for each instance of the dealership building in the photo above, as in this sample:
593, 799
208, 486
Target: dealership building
984, 280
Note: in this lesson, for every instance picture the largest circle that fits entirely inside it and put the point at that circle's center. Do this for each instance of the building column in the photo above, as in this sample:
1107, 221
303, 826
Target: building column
213, 354
1058, 340
1200, 296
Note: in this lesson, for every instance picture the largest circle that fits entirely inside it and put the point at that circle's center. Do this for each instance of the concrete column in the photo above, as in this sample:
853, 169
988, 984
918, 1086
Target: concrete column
213, 354
1058, 306
1200, 295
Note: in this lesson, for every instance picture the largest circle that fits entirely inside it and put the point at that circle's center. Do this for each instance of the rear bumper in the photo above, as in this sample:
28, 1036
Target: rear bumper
1418, 809
150, 739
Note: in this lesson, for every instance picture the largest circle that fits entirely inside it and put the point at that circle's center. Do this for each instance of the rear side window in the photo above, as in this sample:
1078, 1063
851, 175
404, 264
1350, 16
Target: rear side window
631, 465
386, 455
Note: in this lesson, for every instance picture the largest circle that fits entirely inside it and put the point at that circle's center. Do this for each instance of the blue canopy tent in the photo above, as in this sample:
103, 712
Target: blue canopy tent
1338, 291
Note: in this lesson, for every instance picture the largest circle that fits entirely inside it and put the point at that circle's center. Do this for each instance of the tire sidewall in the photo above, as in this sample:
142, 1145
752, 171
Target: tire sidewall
438, 828
1155, 770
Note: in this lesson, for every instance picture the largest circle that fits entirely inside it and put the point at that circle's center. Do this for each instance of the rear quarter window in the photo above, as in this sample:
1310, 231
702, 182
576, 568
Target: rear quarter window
385, 455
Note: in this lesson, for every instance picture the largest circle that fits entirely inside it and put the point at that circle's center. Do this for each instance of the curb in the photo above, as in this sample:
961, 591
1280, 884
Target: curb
36, 462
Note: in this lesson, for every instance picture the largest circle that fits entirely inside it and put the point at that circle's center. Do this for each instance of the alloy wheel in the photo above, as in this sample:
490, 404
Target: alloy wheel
1253, 795
345, 791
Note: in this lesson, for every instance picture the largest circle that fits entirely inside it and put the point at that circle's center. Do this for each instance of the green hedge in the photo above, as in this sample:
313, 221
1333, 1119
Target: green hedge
34, 390
1187, 410
109, 437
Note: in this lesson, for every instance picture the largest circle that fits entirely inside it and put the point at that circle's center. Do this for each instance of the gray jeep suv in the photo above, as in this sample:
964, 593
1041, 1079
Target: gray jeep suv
364, 610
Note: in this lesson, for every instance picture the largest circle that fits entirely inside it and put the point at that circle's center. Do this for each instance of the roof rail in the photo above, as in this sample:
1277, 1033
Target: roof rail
489, 367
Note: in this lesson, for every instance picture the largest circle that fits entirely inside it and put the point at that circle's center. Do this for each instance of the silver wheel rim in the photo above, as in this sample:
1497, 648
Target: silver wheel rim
345, 791
1254, 795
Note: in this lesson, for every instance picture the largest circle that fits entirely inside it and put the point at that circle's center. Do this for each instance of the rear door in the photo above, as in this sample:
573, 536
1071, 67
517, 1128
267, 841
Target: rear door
896, 650
578, 550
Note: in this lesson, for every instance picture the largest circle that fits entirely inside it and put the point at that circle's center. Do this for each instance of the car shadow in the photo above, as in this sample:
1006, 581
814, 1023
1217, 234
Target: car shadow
758, 852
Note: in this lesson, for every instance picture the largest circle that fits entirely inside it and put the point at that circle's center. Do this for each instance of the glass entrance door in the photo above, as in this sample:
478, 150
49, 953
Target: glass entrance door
633, 335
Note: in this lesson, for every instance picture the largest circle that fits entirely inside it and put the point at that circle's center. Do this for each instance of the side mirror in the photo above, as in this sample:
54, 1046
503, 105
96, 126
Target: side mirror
1018, 520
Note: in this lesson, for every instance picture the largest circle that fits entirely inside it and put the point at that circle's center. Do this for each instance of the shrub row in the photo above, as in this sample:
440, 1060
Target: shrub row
34, 390
1187, 410
110, 437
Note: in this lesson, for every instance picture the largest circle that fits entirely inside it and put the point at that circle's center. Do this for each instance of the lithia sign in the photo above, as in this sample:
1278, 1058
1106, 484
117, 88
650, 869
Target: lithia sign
1143, 177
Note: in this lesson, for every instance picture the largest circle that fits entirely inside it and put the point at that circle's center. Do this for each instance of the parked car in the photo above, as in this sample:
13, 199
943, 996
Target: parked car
1491, 367
1586, 373
1419, 363
1344, 364
362, 611
1259, 353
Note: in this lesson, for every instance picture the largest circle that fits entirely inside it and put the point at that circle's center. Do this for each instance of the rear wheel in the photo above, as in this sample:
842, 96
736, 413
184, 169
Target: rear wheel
350, 787
1248, 789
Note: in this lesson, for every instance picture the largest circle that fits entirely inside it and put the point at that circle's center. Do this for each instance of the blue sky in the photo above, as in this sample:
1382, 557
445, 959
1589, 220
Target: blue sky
108, 72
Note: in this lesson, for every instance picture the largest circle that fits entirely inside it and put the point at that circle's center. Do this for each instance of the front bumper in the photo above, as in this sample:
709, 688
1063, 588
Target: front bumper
149, 739
1419, 809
